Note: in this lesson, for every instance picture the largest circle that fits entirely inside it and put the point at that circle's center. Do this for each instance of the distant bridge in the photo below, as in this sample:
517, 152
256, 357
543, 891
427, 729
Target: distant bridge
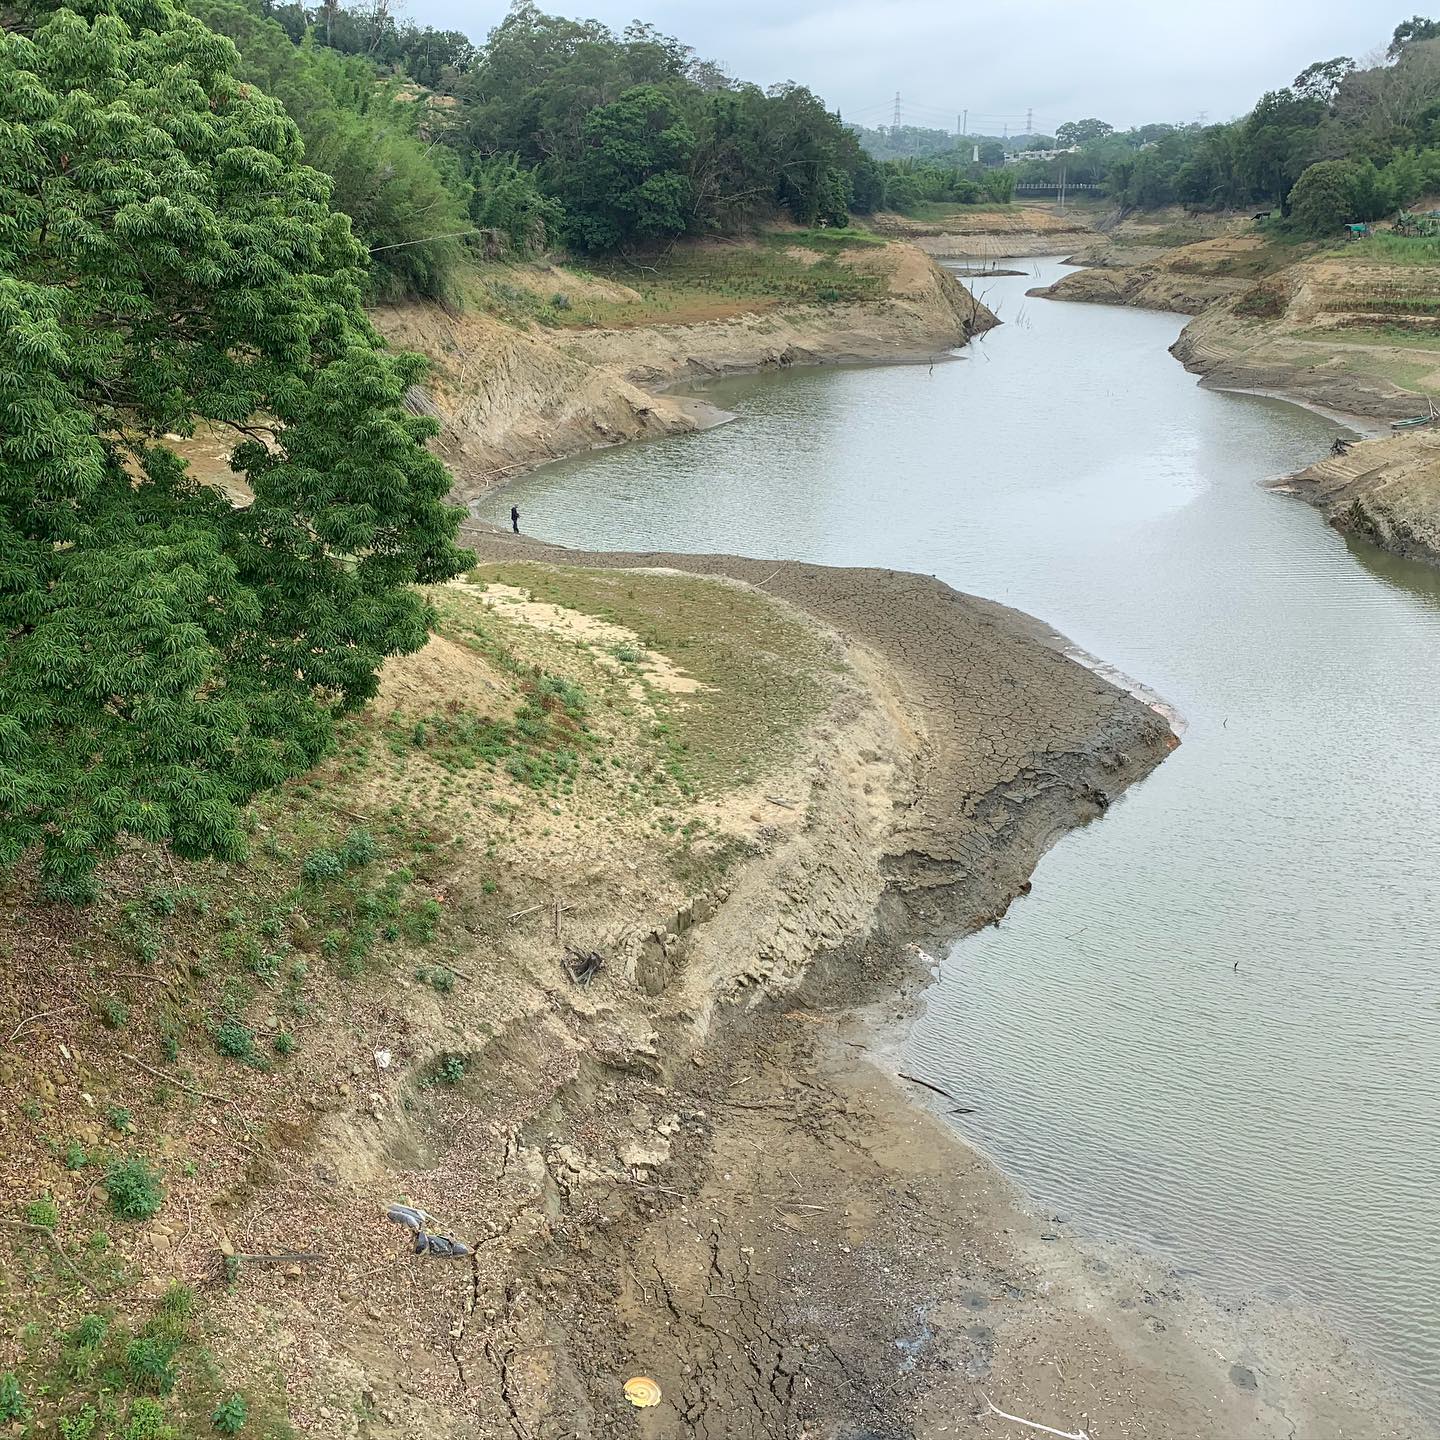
1053, 187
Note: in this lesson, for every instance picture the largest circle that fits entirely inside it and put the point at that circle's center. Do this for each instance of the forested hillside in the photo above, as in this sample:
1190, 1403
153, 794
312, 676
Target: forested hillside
555, 132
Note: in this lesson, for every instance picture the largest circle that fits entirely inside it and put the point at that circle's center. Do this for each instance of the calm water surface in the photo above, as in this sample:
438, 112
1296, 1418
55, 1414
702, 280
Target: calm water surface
1272, 1130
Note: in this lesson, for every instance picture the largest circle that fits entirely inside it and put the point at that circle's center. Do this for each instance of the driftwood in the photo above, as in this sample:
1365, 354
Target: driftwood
582, 966
926, 1085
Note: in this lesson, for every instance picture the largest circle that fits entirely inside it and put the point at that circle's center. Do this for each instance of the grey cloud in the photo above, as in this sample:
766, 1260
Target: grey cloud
1127, 61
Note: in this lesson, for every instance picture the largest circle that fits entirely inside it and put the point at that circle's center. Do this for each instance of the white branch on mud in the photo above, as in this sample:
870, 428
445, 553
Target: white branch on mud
1035, 1424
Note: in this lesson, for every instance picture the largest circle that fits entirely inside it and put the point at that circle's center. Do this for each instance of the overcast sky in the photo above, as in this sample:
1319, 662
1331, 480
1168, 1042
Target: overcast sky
1125, 61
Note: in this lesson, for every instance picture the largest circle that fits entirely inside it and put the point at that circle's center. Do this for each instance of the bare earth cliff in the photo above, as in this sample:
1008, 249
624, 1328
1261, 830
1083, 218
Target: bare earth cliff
511, 396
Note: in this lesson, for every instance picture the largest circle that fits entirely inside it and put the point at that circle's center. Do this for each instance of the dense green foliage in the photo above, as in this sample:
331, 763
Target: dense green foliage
634, 182
165, 258
407, 206
554, 130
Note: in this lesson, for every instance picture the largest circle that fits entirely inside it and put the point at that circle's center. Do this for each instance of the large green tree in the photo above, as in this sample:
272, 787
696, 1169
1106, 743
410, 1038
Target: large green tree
166, 257
630, 183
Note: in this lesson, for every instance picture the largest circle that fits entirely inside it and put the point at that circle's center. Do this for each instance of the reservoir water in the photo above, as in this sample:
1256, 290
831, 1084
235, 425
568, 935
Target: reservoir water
1268, 1129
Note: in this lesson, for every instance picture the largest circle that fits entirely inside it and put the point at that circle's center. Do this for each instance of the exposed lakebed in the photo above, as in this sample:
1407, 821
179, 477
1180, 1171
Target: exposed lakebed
1273, 1129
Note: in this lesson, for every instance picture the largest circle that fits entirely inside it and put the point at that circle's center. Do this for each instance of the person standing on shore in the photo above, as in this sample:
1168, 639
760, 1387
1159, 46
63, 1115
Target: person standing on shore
515, 518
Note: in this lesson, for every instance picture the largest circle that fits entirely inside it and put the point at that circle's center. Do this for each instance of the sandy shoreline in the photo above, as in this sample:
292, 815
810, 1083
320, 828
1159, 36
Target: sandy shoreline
912, 1281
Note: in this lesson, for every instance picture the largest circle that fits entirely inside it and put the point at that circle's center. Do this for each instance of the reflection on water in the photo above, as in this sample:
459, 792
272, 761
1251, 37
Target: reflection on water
1269, 1127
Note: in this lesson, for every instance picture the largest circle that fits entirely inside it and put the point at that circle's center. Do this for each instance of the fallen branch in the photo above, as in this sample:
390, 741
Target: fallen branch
1034, 1424
348, 814
528, 911
925, 1085
171, 1080
59, 1249
651, 1185
784, 804
40, 1015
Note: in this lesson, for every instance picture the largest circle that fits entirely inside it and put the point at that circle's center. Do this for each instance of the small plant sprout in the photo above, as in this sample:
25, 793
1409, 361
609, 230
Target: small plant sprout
230, 1415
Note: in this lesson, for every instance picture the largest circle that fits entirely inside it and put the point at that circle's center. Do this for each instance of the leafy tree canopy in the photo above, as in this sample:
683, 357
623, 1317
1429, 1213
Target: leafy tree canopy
629, 182
1417, 27
166, 257
1079, 132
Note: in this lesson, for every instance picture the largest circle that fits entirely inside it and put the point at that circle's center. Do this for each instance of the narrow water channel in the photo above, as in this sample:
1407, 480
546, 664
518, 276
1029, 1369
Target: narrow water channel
1270, 1129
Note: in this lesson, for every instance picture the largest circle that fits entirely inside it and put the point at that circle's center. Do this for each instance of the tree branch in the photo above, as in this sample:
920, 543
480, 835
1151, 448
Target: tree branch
59, 1249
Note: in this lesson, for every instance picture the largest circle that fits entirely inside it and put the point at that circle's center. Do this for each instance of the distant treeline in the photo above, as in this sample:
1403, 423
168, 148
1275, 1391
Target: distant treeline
1340, 143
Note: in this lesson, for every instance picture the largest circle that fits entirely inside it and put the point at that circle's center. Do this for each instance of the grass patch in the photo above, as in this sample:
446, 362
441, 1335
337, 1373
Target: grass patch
761, 671
105, 1379
1392, 249
699, 282
1420, 335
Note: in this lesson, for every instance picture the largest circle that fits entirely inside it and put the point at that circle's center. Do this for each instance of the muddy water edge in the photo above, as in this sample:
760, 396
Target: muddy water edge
1257, 1131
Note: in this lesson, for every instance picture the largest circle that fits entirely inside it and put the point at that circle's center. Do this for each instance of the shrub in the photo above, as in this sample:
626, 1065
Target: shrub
146, 1422
113, 1015
150, 1365
80, 1426
440, 976
76, 1156
230, 1415
82, 1344
134, 1189
322, 865
43, 1211
284, 1043
90, 1332
358, 849
162, 901
119, 1118
234, 1040
12, 1399
1262, 302
451, 1069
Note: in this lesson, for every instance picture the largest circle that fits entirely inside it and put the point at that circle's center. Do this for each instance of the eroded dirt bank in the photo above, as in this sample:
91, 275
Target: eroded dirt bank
994, 232
513, 395
1385, 490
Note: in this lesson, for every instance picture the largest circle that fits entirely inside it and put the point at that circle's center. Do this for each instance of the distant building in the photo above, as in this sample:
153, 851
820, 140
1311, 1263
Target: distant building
1018, 157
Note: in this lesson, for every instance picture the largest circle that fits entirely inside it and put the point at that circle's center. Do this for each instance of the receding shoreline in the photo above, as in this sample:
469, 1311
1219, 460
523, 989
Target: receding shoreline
1125, 1345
